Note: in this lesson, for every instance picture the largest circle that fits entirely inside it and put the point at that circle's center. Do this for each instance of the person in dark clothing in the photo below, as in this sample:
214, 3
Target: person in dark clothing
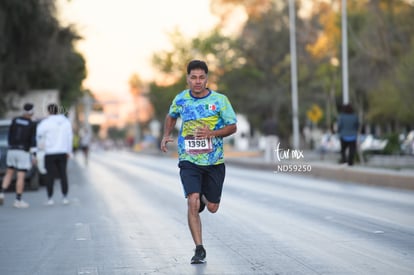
348, 126
21, 139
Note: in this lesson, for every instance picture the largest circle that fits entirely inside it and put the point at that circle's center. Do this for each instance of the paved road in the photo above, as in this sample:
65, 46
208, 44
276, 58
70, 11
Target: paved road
127, 216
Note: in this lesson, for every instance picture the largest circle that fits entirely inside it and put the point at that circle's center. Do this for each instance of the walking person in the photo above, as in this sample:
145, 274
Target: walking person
207, 117
348, 126
85, 136
21, 139
54, 137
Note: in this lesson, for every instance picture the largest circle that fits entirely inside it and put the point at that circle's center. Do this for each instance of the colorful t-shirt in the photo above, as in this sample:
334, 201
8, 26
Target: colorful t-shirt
213, 110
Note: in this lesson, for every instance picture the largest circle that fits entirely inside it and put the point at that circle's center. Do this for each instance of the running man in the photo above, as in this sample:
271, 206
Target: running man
207, 117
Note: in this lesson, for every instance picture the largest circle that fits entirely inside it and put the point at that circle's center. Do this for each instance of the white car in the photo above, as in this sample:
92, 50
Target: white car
407, 146
332, 143
369, 143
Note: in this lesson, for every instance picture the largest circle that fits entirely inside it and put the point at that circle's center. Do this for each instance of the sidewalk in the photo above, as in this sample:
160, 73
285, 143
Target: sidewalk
387, 171
327, 168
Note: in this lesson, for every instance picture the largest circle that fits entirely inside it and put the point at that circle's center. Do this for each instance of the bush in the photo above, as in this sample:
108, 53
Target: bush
393, 145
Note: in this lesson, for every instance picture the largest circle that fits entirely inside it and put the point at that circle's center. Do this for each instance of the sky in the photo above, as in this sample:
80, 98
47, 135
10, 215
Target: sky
120, 36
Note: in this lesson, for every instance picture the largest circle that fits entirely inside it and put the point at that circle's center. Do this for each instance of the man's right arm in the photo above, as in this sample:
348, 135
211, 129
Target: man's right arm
40, 136
11, 134
169, 125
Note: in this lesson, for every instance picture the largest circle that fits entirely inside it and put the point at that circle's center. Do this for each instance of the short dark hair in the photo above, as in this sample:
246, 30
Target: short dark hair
28, 108
347, 108
197, 64
52, 109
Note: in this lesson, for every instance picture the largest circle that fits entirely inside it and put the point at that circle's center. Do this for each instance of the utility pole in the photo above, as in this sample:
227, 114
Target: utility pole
345, 88
294, 73
87, 104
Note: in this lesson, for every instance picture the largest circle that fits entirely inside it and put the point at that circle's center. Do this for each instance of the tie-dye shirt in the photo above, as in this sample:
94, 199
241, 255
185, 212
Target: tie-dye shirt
213, 110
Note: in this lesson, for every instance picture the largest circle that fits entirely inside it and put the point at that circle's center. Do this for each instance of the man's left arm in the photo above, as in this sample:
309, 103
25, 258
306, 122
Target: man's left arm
225, 131
206, 132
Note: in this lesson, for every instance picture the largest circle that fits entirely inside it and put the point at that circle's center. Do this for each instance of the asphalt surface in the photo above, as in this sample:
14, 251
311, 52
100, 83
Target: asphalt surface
128, 216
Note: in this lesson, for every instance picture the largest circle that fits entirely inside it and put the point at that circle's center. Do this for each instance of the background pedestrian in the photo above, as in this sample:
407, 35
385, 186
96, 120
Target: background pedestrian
55, 138
21, 138
348, 126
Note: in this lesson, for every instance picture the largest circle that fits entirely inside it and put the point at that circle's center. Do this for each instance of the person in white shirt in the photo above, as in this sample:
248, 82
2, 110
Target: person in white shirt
54, 137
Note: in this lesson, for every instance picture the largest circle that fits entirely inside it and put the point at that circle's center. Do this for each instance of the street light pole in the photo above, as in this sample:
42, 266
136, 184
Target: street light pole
87, 104
345, 89
294, 73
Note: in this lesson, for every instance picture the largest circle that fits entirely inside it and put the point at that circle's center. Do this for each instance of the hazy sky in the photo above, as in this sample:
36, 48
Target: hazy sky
121, 35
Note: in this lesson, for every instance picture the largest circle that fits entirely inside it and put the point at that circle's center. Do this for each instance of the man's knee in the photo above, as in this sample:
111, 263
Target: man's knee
213, 207
192, 200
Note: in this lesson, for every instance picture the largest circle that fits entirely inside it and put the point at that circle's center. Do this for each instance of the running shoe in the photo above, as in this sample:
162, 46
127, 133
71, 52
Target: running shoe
1, 198
202, 205
50, 202
199, 255
65, 201
20, 204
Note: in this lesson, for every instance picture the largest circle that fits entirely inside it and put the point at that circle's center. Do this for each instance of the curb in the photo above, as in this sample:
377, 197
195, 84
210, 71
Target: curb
354, 174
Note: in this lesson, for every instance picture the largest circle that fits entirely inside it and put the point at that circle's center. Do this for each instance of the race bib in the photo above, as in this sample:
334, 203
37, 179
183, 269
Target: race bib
197, 145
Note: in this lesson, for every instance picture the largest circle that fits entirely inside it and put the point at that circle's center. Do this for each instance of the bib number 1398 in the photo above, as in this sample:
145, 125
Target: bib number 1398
198, 146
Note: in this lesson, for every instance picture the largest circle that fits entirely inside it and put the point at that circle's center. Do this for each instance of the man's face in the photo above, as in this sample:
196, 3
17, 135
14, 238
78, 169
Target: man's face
197, 80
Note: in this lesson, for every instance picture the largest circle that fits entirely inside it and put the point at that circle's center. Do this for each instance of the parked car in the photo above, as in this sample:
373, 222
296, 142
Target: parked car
32, 178
369, 143
407, 145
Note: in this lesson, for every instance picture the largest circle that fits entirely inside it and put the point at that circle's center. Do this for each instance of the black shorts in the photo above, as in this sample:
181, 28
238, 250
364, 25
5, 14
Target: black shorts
207, 180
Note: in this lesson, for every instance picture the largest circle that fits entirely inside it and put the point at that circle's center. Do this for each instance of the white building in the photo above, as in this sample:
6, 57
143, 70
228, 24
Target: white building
39, 98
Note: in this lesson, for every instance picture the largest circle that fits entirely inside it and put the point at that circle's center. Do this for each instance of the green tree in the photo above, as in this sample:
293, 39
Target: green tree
381, 32
36, 52
264, 44
253, 67
379, 35
393, 101
213, 47
319, 63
